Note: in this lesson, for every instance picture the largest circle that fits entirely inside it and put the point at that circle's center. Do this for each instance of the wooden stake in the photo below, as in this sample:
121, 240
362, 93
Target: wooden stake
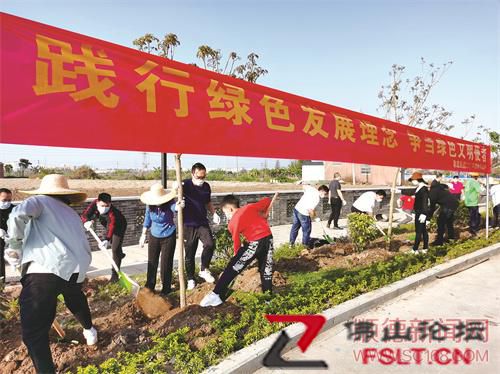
180, 232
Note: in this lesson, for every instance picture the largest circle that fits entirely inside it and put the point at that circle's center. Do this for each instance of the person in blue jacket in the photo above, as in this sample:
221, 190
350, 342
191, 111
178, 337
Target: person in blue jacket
159, 219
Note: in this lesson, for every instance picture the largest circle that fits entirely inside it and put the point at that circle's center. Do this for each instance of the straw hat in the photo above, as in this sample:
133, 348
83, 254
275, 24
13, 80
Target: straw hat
57, 185
416, 176
157, 195
474, 174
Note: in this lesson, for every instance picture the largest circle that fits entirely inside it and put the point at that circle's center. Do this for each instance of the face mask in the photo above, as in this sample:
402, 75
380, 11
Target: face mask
229, 216
414, 182
5, 204
102, 209
198, 182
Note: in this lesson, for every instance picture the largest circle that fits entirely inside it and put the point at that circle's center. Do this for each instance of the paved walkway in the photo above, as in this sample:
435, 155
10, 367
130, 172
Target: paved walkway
136, 258
472, 294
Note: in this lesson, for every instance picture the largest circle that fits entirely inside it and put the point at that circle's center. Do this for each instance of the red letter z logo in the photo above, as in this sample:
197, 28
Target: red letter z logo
313, 323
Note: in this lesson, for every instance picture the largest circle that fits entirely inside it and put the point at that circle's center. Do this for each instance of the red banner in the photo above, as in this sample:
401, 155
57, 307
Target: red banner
64, 89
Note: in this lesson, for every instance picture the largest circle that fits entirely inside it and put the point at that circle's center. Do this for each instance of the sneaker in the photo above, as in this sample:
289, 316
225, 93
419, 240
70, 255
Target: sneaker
212, 299
415, 252
191, 284
90, 335
423, 250
205, 274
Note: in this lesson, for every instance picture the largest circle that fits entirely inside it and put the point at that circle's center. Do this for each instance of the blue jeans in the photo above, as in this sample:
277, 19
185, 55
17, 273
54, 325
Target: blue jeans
300, 221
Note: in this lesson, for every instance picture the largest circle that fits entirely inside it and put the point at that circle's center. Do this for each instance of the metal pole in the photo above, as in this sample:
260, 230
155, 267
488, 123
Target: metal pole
487, 205
164, 170
180, 232
353, 175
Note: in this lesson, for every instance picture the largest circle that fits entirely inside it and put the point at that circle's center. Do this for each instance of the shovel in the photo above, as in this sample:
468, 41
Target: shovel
150, 304
123, 279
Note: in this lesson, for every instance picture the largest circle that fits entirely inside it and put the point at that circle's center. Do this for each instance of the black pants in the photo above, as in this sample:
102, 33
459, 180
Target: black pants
474, 219
496, 213
3, 277
118, 255
356, 210
191, 237
336, 206
165, 247
420, 233
38, 302
445, 223
261, 249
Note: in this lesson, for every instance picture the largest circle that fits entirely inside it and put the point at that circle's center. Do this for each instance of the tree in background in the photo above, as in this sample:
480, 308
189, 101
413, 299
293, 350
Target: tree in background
495, 150
405, 100
8, 169
23, 165
147, 43
167, 45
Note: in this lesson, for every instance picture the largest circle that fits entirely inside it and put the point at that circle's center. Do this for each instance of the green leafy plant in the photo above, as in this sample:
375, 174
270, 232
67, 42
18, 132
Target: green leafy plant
287, 251
361, 229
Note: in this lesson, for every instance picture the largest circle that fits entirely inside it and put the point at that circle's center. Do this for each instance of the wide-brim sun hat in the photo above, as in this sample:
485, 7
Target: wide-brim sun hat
57, 185
157, 195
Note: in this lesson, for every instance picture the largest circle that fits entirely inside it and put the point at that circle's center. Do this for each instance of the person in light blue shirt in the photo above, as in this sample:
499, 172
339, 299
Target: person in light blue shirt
159, 220
46, 237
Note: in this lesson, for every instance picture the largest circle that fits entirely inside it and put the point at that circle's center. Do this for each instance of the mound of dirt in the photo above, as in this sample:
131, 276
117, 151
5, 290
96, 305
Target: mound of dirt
152, 305
249, 280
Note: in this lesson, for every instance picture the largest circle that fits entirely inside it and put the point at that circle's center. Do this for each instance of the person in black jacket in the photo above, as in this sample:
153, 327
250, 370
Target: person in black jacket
440, 194
5, 209
422, 210
114, 222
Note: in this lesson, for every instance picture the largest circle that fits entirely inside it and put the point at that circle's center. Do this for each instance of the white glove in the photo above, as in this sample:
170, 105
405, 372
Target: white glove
180, 204
142, 240
175, 185
88, 225
104, 244
3, 234
13, 257
344, 202
422, 218
317, 219
216, 219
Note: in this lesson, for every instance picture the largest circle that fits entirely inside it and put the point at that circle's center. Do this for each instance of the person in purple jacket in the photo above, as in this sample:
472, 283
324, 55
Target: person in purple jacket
197, 194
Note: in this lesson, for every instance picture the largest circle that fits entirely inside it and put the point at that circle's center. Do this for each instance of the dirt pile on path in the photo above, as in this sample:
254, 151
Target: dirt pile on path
249, 280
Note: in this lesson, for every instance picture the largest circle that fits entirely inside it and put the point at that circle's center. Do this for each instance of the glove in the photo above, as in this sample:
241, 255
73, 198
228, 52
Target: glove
3, 234
344, 202
175, 185
317, 219
216, 219
88, 225
422, 218
104, 244
13, 257
180, 204
142, 240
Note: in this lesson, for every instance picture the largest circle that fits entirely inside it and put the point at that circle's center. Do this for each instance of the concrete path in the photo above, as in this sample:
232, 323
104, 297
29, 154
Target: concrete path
472, 294
136, 258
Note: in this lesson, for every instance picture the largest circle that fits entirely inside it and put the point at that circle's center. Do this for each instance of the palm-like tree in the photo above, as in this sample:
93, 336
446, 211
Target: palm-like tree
204, 52
167, 46
147, 43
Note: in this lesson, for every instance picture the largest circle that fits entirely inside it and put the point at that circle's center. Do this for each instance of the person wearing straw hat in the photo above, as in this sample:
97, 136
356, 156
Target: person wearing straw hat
472, 193
46, 237
159, 220
421, 208
115, 224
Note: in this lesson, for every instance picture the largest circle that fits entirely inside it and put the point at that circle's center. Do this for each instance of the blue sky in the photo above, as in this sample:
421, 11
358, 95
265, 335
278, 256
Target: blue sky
337, 52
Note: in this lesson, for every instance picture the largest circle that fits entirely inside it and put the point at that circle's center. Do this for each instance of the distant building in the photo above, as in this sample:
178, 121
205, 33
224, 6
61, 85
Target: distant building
363, 174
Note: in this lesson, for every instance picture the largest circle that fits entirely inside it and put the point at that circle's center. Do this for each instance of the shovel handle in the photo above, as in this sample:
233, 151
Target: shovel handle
99, 244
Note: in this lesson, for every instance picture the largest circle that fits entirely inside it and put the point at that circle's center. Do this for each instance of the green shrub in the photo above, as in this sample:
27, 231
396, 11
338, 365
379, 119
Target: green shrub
224, 249
361, 229
287, 250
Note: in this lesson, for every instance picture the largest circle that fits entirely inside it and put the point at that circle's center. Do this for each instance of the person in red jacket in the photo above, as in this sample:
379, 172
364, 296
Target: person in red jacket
249, 221
115, 224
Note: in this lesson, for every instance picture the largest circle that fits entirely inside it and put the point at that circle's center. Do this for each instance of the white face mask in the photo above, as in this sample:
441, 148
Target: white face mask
5, 204
103, 209
198, 182
229, 216
414, 182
